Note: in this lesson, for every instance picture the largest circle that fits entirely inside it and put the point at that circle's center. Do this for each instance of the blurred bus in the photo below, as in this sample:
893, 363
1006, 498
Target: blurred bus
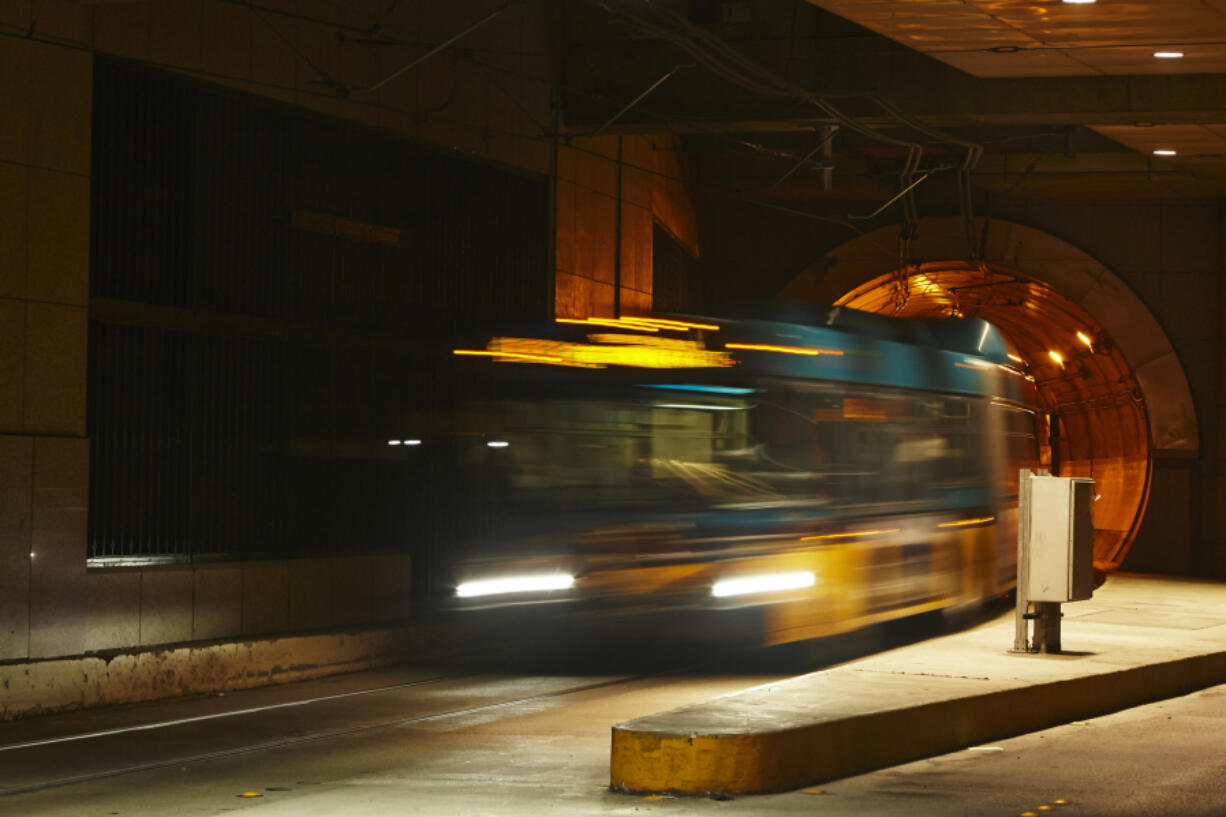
778, 475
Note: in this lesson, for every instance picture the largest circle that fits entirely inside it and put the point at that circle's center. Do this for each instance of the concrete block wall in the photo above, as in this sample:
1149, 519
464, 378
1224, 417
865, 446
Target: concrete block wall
489, 101
597, 177
611, 190
45, 94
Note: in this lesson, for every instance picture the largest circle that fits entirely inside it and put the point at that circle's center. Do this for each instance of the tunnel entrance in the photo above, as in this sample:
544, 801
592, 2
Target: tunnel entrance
1115, 400
1092, 417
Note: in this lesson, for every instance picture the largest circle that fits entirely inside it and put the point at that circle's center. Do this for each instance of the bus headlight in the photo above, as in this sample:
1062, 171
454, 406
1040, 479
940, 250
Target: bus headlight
763, 583
537, 583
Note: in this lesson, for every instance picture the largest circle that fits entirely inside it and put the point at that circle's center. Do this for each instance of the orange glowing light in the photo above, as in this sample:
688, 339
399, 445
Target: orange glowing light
848, 535
961, 523
787, 350
1054, 355
1086, 339
1016, 359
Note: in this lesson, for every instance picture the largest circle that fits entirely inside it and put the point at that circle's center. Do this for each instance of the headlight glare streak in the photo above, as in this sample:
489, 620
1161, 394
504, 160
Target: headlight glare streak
763, 583
515, 584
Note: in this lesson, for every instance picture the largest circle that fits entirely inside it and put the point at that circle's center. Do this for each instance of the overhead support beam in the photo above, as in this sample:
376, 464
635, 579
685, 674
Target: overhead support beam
1101, 100
1174, 100
925, 88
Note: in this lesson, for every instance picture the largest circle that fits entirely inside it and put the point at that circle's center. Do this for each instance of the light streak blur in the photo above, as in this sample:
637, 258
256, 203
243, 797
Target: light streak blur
606, 350
699, 406
848, 535
1016, 359
962, 523
1056, 356
764, 583
787, 350
508, 355
1086, 339
537, 583
642, 324
697, 387
614, 322
665, 323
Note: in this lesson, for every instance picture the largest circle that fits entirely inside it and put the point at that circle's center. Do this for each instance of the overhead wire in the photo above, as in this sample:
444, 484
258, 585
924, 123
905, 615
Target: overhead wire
716, 55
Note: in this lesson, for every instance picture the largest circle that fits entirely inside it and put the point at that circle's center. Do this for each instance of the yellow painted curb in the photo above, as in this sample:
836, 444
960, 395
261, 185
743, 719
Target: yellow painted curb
646, 760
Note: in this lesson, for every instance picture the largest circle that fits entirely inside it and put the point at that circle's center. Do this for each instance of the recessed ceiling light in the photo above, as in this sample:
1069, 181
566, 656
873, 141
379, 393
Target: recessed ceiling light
1168, 55
1164, 152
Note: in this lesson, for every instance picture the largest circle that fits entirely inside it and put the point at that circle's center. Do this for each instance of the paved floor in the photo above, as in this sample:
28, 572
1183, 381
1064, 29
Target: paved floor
417, 741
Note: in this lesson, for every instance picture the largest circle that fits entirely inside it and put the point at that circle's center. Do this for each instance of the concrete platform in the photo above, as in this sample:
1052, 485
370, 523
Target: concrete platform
1140, 639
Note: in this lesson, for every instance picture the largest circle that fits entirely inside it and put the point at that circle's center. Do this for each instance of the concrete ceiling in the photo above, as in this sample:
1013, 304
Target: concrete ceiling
994, 39
1067, 100
1031, 38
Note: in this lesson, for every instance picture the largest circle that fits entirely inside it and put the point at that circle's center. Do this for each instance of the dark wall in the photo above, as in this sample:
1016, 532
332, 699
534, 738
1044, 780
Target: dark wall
263, 286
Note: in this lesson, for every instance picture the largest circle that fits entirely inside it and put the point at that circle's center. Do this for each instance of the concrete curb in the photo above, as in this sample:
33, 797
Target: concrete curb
648, 759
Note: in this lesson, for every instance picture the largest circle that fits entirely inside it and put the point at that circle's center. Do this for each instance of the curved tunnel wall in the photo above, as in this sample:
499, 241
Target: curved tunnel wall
1119, 400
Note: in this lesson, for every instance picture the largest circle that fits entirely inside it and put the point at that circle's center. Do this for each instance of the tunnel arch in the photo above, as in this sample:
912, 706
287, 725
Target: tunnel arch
1119, 395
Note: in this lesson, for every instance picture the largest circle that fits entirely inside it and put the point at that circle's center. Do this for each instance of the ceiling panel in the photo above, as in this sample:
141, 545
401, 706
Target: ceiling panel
1100, 38
1190, 141
1200, 149
1048, 38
